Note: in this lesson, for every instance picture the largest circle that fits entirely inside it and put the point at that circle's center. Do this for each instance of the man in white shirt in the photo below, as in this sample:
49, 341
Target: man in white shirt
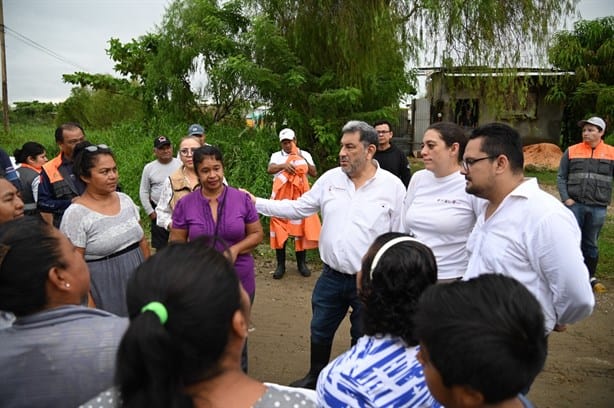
288, 166
524, 232
152, 181
358, 202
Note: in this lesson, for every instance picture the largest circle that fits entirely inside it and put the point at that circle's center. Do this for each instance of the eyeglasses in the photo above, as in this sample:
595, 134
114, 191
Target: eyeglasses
467, 163
95, 148
383, 132
188, 152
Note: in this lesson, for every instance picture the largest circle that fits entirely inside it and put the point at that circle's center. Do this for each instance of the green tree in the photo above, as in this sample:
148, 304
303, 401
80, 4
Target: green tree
326, 61
588, 52
318, 63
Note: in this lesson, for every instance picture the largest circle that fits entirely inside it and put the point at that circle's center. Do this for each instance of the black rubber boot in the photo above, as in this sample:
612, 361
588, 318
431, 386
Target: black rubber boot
301, 263
281, 263
320, 353
591, 264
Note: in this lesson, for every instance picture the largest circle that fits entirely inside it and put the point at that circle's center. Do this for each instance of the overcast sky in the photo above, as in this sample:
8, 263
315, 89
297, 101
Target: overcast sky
76, 32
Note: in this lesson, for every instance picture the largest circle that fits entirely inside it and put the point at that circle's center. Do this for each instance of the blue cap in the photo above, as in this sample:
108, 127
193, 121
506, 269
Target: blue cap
196, 129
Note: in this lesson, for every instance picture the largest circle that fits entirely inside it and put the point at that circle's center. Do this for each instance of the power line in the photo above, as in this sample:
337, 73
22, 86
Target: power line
42, 48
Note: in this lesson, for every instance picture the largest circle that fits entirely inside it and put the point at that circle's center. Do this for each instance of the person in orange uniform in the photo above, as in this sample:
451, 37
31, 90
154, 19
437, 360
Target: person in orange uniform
291, 166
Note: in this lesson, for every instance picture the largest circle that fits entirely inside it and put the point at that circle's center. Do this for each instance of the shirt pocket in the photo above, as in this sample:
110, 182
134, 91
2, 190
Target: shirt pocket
373, 217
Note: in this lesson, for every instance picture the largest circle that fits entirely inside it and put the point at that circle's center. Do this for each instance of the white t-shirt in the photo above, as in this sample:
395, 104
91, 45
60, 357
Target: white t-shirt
281, 157
439, 212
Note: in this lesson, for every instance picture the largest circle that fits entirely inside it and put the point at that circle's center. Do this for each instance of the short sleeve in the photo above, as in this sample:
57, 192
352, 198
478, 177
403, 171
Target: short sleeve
251, 215
73, 225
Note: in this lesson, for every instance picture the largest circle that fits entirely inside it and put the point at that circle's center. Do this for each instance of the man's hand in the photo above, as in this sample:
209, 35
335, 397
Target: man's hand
153, 216
289, 167
569, 202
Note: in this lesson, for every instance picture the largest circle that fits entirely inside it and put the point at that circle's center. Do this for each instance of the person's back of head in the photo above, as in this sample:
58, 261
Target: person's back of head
395, 271
179, 339
29, 249
501, 139
482, 341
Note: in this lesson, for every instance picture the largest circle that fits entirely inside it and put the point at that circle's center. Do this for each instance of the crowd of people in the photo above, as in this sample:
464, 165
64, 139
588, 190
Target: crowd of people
453, 277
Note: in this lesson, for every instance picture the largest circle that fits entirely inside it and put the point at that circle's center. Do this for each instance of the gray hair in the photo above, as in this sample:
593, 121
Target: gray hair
368, 135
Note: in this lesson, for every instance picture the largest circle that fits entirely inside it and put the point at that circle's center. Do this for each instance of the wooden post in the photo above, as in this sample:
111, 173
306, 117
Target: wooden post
5, 93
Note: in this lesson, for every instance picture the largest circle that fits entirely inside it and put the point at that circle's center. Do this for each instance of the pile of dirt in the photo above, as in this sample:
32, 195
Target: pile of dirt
542, 156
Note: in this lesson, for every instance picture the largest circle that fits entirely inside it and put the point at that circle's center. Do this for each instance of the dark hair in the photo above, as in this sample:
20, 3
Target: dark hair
487, 333
451, 133
501, 139
59, 131
368, 135
32, 251
200, 290
382, 122
207, 151
403, 272
85, 160
29, 149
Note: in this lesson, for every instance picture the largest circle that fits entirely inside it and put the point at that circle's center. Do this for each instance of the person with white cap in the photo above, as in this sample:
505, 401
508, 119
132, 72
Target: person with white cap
584, 180
290, 167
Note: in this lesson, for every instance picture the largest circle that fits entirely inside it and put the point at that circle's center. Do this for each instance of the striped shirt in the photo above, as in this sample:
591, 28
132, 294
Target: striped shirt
376, 372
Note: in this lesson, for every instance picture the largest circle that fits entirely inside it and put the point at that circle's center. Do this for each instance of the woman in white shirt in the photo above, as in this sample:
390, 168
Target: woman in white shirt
436, 208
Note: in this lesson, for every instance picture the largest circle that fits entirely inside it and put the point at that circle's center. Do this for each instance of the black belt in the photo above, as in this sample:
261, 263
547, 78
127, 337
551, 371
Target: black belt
336, 272
118, 253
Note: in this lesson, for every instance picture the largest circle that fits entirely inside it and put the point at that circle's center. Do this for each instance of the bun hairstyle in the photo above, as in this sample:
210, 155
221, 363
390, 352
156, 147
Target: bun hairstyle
390, 289
29, 149
200, 293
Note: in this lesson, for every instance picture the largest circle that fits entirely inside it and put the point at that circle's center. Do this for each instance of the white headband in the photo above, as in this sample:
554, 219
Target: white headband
384, 248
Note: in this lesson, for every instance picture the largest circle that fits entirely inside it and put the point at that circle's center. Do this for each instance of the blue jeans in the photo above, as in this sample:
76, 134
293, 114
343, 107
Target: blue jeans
590, 219
333, 294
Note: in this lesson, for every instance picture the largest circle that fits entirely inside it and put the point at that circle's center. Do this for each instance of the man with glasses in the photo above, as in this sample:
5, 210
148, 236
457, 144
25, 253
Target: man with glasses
389, 156
58, 185
152, 180
523, 232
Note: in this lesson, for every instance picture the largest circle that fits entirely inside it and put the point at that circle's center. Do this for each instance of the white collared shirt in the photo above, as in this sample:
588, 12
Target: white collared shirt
351, 219
533, 238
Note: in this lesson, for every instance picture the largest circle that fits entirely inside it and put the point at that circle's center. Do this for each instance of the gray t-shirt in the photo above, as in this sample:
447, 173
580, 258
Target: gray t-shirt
275, 396
102, 235
152, 180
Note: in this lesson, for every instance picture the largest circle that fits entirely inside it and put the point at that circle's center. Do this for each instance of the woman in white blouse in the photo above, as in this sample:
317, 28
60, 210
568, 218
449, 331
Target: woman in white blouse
436, 208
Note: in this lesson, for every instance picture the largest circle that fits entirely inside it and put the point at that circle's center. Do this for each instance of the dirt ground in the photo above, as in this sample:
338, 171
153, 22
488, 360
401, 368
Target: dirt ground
579, 371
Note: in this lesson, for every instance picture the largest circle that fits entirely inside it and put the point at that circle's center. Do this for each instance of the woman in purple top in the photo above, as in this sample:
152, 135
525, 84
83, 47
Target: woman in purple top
219, 211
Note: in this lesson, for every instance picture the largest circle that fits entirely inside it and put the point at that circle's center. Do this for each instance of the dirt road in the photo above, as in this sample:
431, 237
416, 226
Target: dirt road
579, 371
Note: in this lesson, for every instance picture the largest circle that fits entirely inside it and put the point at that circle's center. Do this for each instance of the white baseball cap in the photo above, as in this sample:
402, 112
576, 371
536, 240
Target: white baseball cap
286, 134
595, 120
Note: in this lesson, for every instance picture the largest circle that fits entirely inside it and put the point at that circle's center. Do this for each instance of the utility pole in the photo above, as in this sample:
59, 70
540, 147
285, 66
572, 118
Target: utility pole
5, 92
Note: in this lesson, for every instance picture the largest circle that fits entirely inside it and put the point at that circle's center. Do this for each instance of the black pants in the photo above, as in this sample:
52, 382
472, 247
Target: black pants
159, 235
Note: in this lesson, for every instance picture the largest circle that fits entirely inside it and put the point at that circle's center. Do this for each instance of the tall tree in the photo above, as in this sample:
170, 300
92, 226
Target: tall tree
588, 52
331, 60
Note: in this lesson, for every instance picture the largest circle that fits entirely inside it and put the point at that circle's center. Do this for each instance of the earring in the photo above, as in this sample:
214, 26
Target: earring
67, 285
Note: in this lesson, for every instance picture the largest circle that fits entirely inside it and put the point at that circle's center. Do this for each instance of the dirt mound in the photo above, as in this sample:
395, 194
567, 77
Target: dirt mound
542, 156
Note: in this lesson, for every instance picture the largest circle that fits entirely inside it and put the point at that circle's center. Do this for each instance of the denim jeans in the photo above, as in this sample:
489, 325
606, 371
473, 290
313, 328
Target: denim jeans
590, 219
333, 294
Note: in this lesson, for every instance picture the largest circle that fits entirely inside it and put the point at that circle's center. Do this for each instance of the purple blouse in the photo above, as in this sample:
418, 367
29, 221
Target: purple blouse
235, 210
